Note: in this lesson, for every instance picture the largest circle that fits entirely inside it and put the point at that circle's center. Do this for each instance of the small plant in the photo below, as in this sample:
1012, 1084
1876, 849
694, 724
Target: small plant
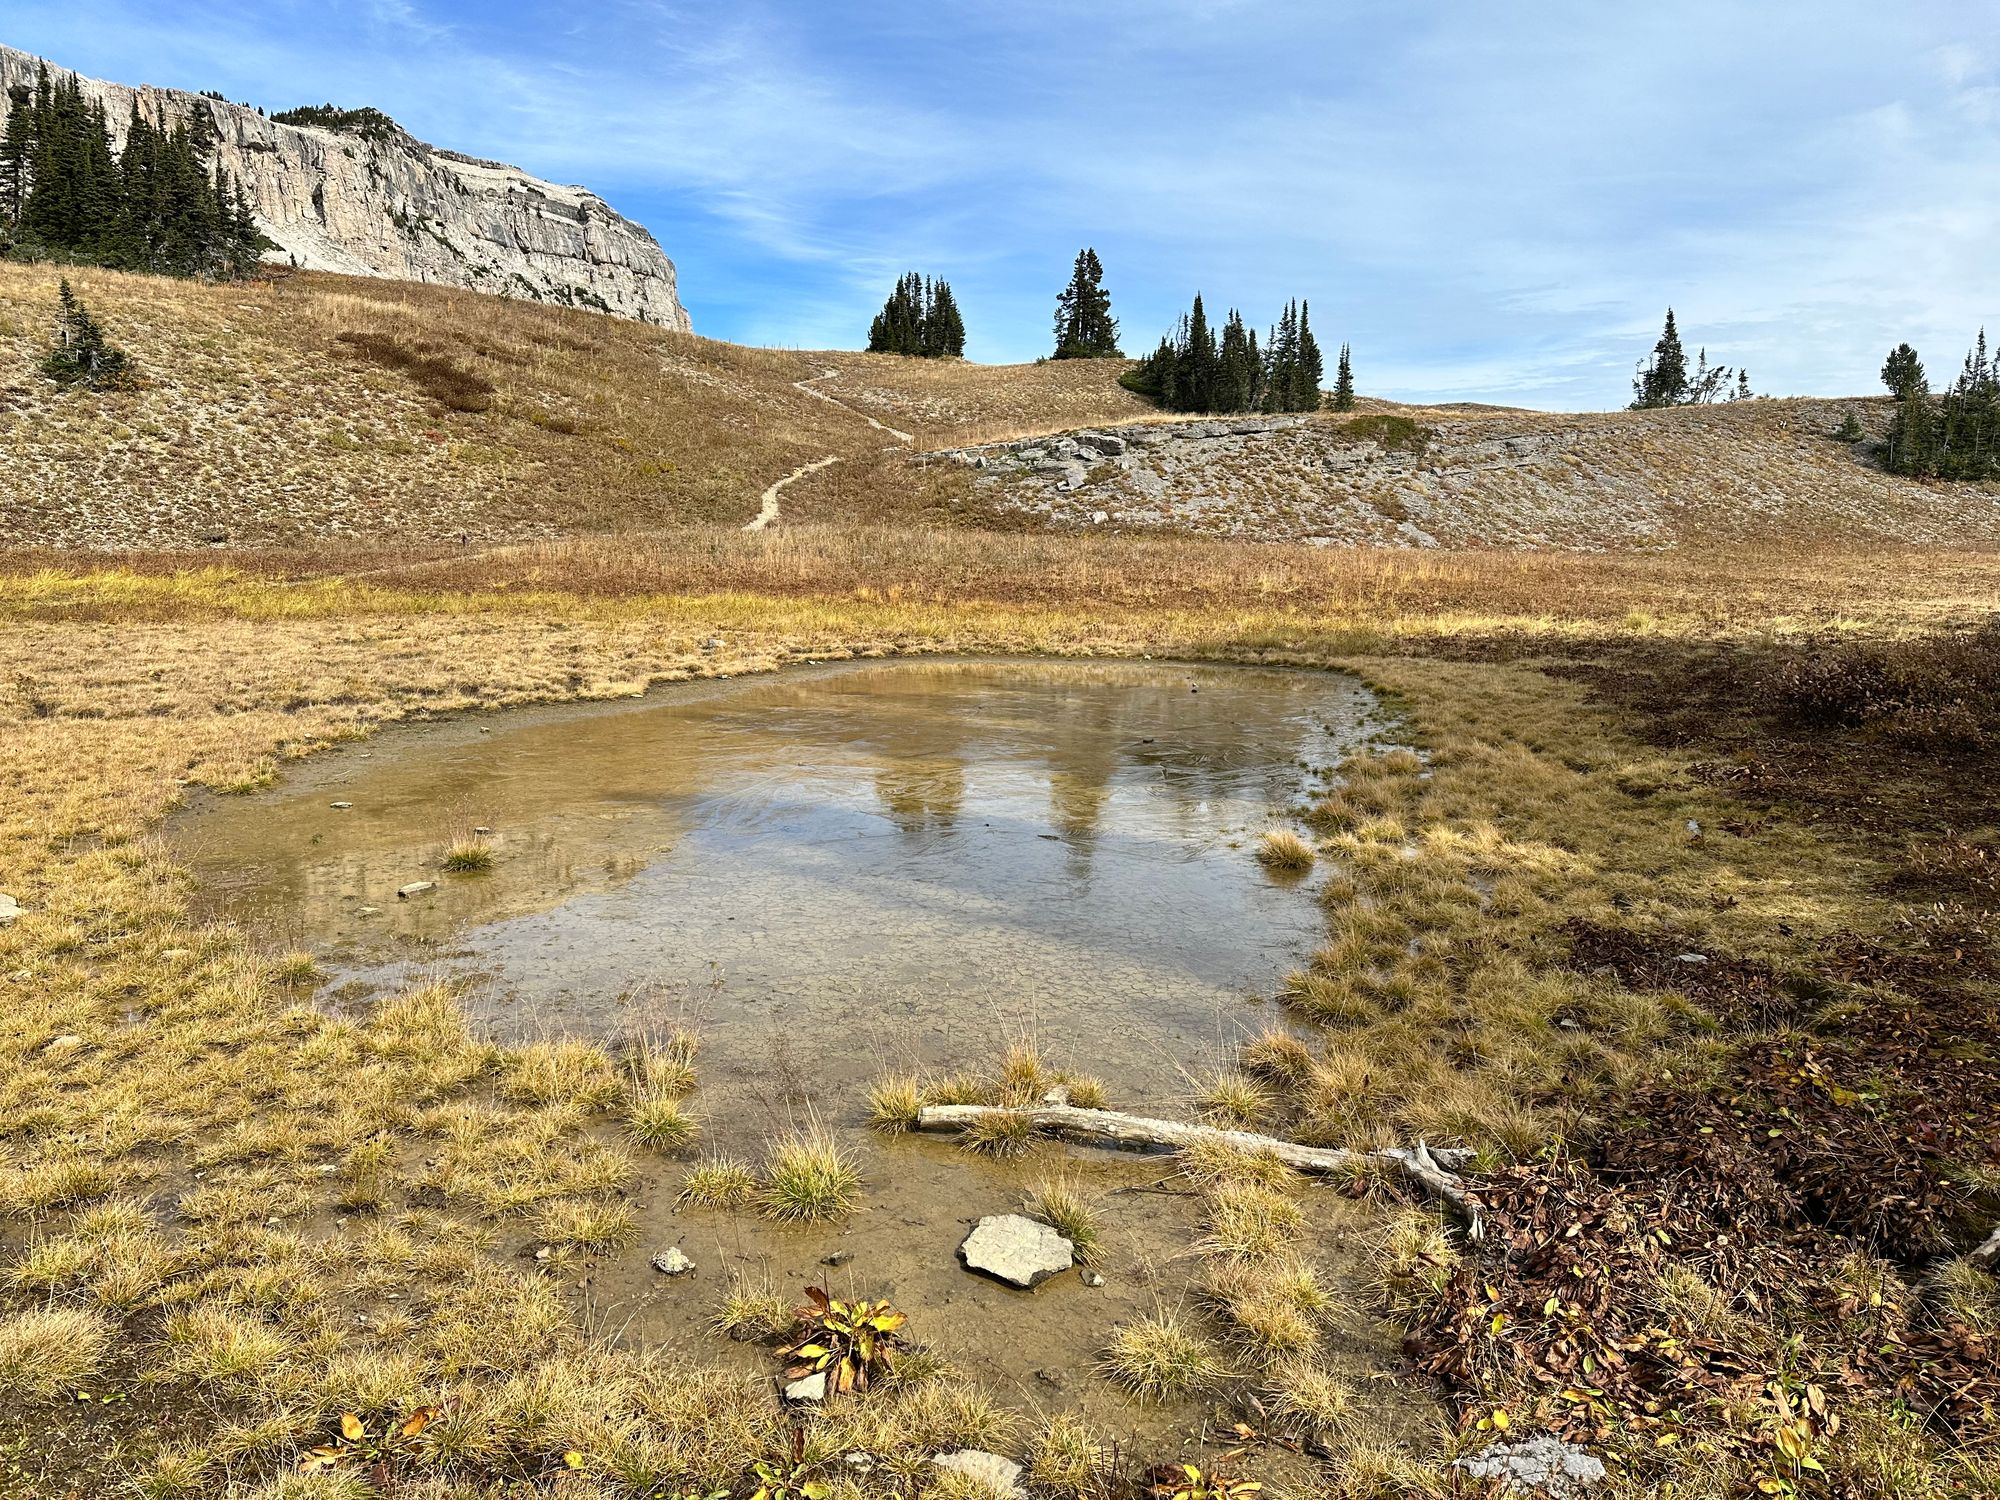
754, 1311
1059, 1205
1004, 1132
1309, 1398
1850, 429
719, 1182
469, 857
1281, 849
894, 1104
1233, 1099
81, 354
1086, 1091
1158, 1357
1024, 1077
296, 968
847, 1341
786, 1482
660, 1121
1187, 1482
374, 1450
809, 1176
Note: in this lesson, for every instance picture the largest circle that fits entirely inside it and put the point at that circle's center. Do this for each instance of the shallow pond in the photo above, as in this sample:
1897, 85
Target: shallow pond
836, 872
831, 871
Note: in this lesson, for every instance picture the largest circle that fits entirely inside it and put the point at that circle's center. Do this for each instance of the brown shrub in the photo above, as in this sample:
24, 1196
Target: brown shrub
437, 376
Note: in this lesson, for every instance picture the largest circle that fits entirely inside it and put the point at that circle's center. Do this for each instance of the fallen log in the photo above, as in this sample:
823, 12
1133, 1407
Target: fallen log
1432, 1170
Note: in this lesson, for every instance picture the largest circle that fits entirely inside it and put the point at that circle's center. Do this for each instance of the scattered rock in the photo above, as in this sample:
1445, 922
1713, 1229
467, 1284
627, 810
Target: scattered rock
10, 909
1099, 517
838, 1258
673, 1262
175, 955
340, 806
415, 888
483, 832
1102, 442
1000, 1475
811, 1389
366, 911
1690, 958
1539, 1466
713, 643
1093, 1278
1016, 1249
65, 1043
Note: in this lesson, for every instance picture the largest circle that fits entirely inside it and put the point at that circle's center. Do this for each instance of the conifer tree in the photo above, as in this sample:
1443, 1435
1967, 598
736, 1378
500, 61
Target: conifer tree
1236, 377
1085, 328
81, 354
1198, 362
17, 146
1343, 383
1311, 368
1663, 382
1903, 373
920, 318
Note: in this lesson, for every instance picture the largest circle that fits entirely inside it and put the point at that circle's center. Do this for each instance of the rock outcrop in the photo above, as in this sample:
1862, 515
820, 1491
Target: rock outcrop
385, 204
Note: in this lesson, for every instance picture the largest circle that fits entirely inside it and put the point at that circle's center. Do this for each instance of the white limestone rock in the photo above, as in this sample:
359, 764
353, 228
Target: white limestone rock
1016, 1249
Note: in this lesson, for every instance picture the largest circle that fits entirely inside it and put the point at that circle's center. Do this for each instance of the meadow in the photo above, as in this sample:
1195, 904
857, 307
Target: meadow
1725, 1201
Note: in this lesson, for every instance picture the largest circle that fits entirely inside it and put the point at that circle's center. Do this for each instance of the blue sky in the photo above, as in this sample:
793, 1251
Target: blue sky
1491, 202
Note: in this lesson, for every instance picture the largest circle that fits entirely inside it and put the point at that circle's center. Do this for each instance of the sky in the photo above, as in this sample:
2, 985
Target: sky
1489, 202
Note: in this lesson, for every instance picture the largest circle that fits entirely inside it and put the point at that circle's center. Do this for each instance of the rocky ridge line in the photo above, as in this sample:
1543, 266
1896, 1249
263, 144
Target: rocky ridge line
395, 207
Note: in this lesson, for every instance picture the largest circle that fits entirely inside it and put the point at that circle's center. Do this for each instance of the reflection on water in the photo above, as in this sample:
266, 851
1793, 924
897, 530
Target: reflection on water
837, 870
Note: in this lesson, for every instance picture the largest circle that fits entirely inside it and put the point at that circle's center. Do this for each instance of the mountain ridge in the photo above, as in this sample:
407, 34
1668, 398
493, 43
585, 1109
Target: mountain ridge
391, 206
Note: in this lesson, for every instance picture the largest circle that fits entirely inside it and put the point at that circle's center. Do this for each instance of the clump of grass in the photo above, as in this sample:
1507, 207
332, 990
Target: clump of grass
1309, 1398
660, 1121
753, 1310
1209, 1162
666, 1067
296, 968
1414, 1261
1057, 1203
49, 1351
958, 1088
1086, 1090
718, 1182
1004, 1132
809, 1176
1158, 1357
1232, 1099
1276, 1306
1068, 1460
1250, 1220
583, 1224
1024, 1077
567, 1072
894, 1103
1281, 849
218, 1345
469, 857
1279, 1055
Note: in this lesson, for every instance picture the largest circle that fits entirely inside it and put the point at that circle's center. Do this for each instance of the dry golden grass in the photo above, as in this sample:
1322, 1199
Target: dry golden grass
125, 685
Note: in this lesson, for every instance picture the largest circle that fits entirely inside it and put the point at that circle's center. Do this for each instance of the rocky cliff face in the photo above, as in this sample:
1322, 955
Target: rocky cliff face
395, 207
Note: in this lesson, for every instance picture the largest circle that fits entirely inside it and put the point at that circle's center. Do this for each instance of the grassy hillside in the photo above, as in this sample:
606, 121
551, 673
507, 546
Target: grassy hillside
319, 409
322, 406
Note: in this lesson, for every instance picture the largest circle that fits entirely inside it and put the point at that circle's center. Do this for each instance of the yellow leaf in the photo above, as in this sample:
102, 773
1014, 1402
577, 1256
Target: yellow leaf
351, 1428
573, 1459
1500, 1418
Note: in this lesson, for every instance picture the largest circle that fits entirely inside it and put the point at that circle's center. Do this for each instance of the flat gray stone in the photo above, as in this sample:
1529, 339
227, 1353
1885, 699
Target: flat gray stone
1536, 1466
10, 909
415, 888
673, 1262
1016, 1249
1000, 1475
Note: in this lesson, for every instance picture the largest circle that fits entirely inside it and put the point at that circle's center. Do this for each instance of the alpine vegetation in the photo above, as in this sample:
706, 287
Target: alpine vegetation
921, 317
1085, 328
1666, 381
157, 206
82, 355
1194, 370
1955, 435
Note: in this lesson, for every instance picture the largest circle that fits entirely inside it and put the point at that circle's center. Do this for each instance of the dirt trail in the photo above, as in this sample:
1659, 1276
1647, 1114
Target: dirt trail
767, 511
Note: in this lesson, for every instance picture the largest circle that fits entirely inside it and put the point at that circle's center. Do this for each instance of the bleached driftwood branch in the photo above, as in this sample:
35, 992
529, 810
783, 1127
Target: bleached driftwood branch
1987, 1256
1433, 1170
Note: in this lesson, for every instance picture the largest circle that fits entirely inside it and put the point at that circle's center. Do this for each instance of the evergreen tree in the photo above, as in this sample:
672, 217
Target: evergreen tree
1903, 373
1343, 383
1663, 382
1194, 371
1236, 379
17, 148
81, 354
920, 318
1085, 328
1199, 362
1311, 369
1742, 391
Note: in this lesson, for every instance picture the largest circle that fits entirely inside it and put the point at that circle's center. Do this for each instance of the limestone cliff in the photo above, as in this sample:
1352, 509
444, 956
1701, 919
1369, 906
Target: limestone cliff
386, 204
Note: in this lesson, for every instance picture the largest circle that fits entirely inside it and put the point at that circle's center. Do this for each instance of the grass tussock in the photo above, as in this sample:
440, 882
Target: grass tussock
894, 1104
49, 1352
809, 1175
718, 1182
1059, 1203
1282, 849
468, 857
1160, 1357
1004, 1132
754, 1309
